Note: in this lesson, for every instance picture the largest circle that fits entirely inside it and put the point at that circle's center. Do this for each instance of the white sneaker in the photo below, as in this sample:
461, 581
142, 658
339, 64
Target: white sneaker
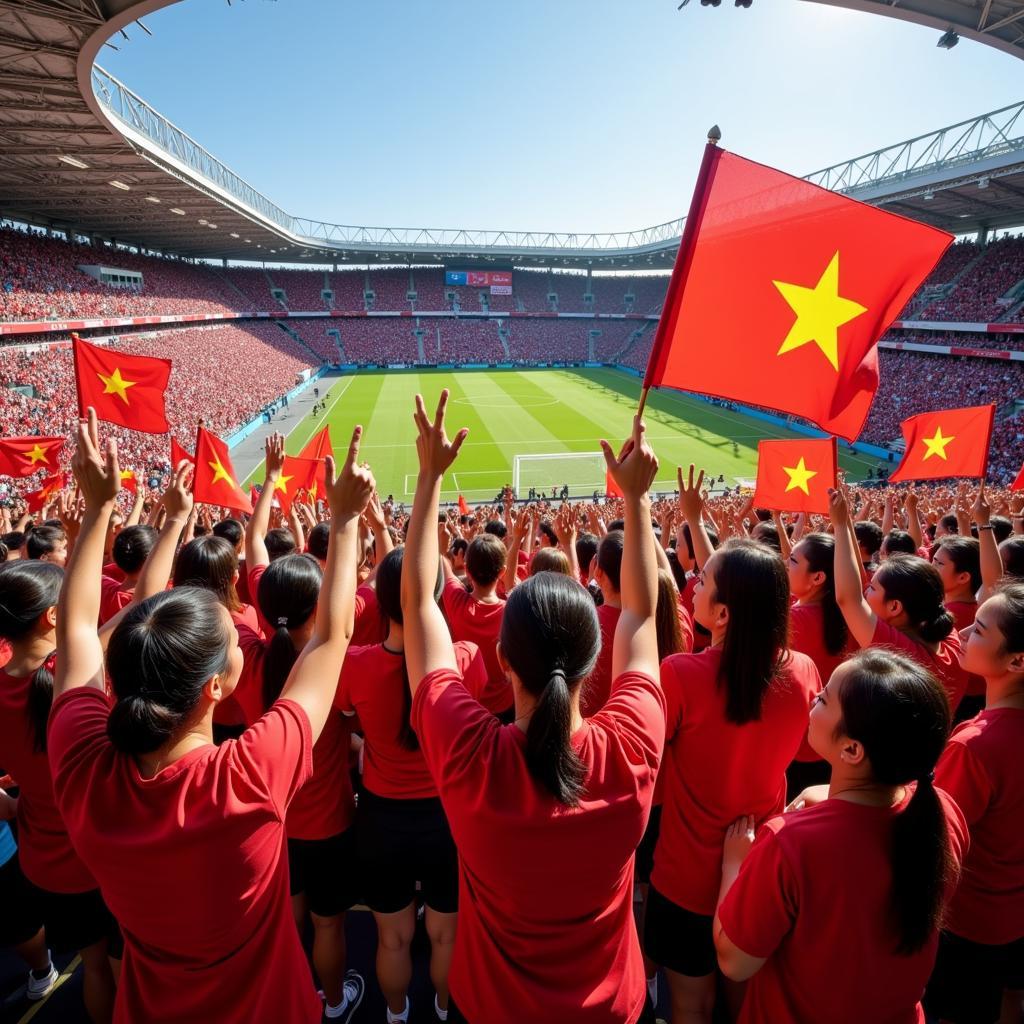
39, 988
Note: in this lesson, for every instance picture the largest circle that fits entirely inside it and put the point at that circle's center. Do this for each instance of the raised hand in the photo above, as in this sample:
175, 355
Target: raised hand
274, 454
691, 498
739, 838
636, 466
436, 453
838, 507
177, 499
349, 491
97, 473
981, 511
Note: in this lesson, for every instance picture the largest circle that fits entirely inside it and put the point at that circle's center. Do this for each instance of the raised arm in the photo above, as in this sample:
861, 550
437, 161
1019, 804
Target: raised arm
256, 530
565, 531
991, 563
382, 542
914, 526
691, 504
99, 479
313, 679
860, 619
635, 648
785, 547
517, 536
428, 644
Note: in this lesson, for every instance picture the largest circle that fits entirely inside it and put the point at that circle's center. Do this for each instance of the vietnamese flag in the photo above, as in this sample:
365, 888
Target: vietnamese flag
781, 290
180, 455
297, 474
123, 389
23, 456
951, 442
129, 481
795, 476
611, 488
215, 481
50, 486
317, 447
463, 507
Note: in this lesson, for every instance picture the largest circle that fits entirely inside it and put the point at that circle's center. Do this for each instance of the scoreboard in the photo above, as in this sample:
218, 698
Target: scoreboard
499, 281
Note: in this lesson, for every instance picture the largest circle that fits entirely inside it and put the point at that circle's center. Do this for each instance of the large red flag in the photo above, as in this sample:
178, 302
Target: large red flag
123, 389
781, 290
950, 442
23, 456
795, 476
215, 481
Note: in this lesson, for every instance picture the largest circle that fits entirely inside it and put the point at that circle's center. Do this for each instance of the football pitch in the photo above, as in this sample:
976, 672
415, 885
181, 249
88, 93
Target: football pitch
536, 412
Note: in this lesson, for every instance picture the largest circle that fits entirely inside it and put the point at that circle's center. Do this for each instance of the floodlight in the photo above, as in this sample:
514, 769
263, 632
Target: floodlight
121, 185
74, 161
180, 213
152, 199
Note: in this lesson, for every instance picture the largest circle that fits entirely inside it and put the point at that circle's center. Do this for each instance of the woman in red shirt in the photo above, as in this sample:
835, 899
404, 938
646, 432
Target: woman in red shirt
187, 838
546, 811
901, 608
981, 952
858, 877
737, 713
402, 834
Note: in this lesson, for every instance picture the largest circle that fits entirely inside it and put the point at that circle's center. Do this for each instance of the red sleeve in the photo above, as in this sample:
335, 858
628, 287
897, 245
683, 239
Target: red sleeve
254, 576
343, 695
761, 907
77, 728
672, 696
686, 626
472, 667
964, 778
279, 750
455, 597
889, 636
635, 712
249, 691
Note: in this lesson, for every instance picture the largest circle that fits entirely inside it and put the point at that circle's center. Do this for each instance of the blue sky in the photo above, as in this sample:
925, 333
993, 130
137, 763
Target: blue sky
568, 115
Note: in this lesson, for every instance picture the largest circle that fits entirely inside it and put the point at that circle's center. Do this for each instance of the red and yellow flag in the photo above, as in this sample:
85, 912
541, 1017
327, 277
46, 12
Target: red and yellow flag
297, 474
215, 480
781, 290
129, 481
23, 456
51, 486
317, 447
951, 442
123, 389
179, 455
795, 476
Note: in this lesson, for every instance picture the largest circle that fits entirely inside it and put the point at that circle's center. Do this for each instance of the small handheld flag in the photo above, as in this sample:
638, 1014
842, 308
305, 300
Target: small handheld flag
795, 476
950, 442
23, 456
215, 480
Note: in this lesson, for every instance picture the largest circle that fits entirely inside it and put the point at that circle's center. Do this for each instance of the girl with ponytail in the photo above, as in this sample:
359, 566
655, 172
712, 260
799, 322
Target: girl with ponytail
737, 713
402, 834
187, 838
979, 960
548, 810
901, 608
321, 841
858, 871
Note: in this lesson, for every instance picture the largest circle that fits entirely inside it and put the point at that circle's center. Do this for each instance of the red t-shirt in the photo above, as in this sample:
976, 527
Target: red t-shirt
230, 710
813, 897
192, 863
597, 686
44, 848
981, 771
371, 687
546, 931
370, 627
479, 623
325, 805
716, 771
963, 613
944, 662
807, 635
113, 598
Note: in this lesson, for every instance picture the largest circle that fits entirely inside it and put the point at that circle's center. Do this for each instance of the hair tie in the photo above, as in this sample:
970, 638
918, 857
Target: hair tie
557, 672
282, 621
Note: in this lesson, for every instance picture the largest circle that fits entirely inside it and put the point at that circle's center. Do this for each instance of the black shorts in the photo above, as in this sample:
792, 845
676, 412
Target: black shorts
678, 939
326, 871
76, 920
645, 851
400, 843
966, 986
22, 915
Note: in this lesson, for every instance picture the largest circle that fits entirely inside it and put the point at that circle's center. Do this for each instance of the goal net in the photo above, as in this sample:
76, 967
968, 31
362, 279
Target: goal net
583, 472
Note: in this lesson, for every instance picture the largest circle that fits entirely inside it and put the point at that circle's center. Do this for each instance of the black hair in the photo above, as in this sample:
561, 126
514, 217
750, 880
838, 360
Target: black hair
288, 592
899, 712
209, 562
768, 534
497, 529
1001, 528
1011, 551
160, 656
551, 639
586, 548
43, 540
549, 531
899, 542
13, 541
752, 582
132, 547
666, 617
27, 590
485, 559
869, 536
1009, 615
3, 552
231, 530
317, 540
949, 523
279, 542
917, 585
965, 554
678, 572
616, 524
688, 539
459, 546
609, 557
819, 550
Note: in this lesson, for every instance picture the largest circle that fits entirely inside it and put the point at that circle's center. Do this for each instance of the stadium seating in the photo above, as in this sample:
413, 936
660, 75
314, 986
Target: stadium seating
303, 288
390, 288
532, 341
348, 287
253, 287
530, 291
470, 341
430, 290
976, 295
314, 333
378, 341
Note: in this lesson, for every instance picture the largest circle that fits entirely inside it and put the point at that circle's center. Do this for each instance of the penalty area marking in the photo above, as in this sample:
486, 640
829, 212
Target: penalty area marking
511, 401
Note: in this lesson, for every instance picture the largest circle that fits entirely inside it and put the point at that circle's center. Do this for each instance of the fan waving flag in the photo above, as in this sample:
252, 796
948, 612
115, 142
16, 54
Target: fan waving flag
297, 474
781, 290
23, 456
318, 447
795, 476
951, 442
123, 389
215, 481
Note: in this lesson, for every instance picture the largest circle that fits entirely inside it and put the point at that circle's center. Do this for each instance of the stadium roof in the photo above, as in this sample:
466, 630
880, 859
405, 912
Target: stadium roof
82, 152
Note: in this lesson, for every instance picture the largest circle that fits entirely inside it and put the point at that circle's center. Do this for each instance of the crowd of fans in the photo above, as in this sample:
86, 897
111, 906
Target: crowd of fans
977, 294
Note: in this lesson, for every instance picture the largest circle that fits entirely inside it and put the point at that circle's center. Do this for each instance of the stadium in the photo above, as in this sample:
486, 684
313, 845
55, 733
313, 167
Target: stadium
120, 229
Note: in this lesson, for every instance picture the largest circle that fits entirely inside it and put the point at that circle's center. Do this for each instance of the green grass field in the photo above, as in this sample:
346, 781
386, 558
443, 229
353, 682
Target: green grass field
536, 412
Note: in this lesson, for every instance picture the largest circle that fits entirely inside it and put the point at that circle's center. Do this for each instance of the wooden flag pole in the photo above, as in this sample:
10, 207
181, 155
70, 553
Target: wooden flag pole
683, 257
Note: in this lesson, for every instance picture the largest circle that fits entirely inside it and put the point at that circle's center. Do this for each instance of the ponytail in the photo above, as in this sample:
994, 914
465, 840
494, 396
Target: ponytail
277, 663
40, 699
549, 754
917, 585
819, 550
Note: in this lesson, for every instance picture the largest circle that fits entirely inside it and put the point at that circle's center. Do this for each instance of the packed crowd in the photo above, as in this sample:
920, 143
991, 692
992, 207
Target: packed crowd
977, 294
519, 717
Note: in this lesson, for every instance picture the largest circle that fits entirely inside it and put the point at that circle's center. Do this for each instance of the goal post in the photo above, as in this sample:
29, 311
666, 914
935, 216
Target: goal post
583, 472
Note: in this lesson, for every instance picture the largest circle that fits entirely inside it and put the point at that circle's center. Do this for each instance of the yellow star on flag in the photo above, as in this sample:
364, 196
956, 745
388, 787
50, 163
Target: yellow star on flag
37, 454
820, 312
115, 384
127, 474
282, 483
799, 475
220, 473
936, 445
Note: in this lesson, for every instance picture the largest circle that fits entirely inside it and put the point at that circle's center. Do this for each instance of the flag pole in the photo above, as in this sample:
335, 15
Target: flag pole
684, 258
